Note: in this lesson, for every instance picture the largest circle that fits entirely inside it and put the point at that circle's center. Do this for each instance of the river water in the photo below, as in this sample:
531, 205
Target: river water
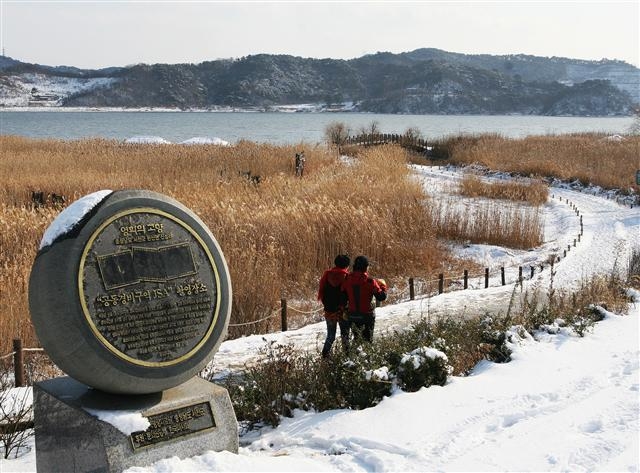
281, 127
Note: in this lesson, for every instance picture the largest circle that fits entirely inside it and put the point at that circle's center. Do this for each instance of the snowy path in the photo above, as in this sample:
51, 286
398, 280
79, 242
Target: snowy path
610, 231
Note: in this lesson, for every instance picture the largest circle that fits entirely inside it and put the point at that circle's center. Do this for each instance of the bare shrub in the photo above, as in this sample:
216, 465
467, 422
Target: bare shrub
634, 128
336, 133
633, 271
373, 128
16, 420
412, 134
577, 309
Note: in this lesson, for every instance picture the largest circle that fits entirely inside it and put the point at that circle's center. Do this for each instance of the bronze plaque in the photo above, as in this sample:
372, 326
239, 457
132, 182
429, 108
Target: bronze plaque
149, 287
173, 424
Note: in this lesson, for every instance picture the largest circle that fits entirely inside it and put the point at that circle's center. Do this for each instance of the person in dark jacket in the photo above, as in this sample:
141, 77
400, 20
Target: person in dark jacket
361, 290
334, 300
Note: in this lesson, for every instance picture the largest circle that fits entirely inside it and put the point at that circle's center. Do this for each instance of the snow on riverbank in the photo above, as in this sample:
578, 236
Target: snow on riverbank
563, 403
158, 140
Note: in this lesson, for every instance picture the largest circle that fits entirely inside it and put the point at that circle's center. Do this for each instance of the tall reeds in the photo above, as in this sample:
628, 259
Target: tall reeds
532, 192
598, 159
277, 231
503, 224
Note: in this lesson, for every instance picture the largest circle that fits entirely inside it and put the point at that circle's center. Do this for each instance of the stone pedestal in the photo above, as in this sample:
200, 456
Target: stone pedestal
186, 420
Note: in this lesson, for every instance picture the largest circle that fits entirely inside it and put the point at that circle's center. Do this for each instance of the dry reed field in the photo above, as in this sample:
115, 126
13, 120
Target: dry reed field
533, 192
590, 158
504, 224
277, 234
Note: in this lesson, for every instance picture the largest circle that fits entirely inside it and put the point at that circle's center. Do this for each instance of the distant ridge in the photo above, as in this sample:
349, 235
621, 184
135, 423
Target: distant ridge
424, 81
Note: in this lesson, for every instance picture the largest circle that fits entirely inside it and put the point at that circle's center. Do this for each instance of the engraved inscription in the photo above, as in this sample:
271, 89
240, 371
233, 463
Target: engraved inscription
149, 287
174, 424
146, 264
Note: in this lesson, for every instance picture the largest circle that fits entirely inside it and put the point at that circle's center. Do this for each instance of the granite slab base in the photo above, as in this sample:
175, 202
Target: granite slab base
188, 420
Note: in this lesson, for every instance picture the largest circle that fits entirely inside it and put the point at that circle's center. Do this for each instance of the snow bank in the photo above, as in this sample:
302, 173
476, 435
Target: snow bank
158, 140
614, 138
199, 140
70, 216
147, 139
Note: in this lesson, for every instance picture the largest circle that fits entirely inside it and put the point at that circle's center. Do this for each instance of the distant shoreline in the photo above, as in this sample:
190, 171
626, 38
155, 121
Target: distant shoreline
281, 109
293, 108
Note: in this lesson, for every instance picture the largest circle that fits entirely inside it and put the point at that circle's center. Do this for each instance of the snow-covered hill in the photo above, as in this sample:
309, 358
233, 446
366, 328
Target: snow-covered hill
44, 90
425, 81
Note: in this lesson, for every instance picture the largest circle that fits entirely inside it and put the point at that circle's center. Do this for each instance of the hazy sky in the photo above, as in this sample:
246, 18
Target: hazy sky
104, 33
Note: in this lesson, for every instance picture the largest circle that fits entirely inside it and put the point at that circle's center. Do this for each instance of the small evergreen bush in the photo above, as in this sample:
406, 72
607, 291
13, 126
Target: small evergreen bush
422, 367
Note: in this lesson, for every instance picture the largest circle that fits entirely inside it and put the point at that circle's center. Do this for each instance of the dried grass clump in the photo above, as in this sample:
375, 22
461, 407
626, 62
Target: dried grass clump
514, 226
589, 158
534, 192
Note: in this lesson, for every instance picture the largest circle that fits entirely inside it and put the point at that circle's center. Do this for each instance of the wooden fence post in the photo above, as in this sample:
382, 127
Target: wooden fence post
283, 314
486, 278
18, 362
502, 276
440, 283
533, 270
466, 279
519, 273
412, 292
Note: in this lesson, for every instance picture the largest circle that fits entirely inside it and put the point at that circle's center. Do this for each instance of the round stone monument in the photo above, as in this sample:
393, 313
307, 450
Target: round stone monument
130, 292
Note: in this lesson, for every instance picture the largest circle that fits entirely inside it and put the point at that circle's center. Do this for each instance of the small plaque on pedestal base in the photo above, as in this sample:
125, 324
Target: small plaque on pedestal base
187, 420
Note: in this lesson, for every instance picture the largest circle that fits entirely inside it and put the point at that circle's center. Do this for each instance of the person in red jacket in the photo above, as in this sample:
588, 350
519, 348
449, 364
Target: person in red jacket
361, 290
334, 300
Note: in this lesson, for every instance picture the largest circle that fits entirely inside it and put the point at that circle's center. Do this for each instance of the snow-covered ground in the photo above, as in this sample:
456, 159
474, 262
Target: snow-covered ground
563, 403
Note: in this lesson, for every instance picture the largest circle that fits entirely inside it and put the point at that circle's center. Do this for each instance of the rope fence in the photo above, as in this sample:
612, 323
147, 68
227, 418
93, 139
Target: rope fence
8, 355
415, 288
244, 324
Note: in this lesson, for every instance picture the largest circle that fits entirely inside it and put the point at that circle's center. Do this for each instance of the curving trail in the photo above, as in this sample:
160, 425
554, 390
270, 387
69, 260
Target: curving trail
610, 232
